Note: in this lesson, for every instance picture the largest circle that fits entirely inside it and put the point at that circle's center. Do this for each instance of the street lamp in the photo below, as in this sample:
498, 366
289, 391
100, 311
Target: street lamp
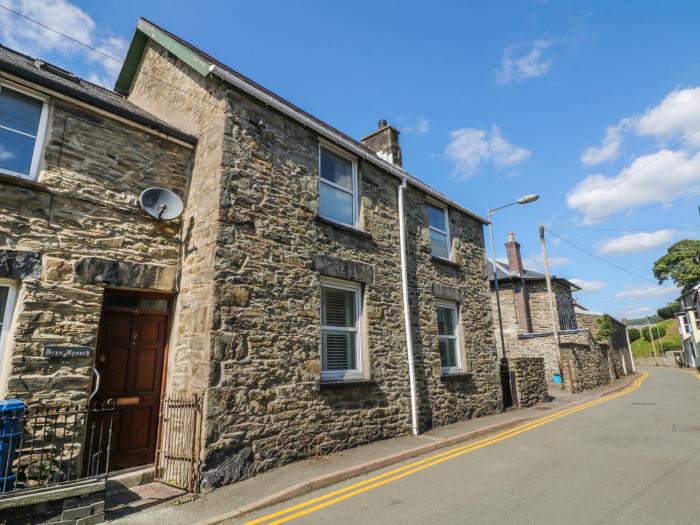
505, 380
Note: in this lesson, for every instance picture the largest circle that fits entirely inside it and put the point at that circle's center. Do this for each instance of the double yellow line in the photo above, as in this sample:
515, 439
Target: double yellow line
321, 502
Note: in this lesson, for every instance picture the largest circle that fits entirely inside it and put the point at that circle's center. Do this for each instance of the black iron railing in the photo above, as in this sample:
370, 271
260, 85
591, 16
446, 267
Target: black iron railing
45, 446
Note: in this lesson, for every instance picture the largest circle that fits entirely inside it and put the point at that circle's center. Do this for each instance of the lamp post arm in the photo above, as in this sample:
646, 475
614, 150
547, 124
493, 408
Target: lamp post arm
500, 208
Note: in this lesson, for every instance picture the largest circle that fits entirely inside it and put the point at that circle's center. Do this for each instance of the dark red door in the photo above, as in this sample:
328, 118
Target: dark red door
130, 358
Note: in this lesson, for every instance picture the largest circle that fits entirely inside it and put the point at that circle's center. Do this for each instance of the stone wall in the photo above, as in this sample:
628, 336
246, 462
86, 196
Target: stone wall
585, 362
538, 345
620, 353
84, 232
530, 380
661, 360
265, 403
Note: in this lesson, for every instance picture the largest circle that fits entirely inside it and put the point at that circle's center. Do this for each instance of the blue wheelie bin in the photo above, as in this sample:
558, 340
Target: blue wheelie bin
11, 425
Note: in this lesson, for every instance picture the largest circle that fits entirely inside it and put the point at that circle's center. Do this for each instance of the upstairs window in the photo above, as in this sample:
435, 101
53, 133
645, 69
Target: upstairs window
448, 341
340, 321
22, 123
439, 232
338, 191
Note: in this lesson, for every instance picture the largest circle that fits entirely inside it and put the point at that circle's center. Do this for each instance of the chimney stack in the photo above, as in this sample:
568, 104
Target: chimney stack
515, 261
385, 143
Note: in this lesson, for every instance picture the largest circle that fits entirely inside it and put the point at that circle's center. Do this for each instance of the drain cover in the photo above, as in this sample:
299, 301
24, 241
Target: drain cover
641, 403
686, 428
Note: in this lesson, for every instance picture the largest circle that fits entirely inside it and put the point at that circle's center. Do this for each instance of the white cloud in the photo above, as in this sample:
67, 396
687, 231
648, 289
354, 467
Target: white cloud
637, 311
5, 154
523, 61
649, 179
68, 19
636, 242
644, 292
589, 286
470, 147
421, 126
610, 147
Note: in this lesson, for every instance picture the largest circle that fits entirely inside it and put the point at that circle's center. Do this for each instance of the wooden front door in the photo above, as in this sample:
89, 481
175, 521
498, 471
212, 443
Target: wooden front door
130, 358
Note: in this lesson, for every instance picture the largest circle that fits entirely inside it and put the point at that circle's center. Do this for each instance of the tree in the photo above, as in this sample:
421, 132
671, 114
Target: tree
605, 329
634, 334
658, 330
679, 264
670, 310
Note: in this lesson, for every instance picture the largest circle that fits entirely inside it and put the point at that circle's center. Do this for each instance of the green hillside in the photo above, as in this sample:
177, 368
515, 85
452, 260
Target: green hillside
671, 341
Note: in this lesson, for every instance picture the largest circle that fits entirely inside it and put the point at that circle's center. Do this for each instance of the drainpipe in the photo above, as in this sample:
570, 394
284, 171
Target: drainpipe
406, 311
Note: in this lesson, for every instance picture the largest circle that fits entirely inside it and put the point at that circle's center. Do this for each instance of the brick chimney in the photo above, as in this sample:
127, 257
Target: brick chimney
385, 142
515, 261
522, 297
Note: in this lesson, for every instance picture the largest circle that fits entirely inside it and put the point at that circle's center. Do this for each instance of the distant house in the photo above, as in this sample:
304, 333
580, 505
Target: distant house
620, 351
689, 325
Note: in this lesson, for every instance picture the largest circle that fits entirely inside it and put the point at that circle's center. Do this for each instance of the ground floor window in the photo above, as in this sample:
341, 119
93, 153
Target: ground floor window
7, 301
448, 322
340, 335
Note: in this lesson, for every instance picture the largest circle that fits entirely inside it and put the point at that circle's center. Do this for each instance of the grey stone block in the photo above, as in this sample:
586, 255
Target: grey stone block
98, 507
448, 292
91, 520
79, 512
343, 269
19, 264
70, 503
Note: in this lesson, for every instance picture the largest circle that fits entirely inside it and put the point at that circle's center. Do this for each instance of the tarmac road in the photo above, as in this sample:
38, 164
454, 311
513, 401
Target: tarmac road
634, 458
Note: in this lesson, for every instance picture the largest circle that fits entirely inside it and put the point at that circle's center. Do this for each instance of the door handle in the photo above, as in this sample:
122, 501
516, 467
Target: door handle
97, 384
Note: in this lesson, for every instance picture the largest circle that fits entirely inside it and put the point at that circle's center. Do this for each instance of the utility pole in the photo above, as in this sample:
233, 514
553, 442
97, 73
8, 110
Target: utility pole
658, 335
653, 346
551, 303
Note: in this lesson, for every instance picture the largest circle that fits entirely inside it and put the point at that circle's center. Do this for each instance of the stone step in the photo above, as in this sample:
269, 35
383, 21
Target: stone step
130, 478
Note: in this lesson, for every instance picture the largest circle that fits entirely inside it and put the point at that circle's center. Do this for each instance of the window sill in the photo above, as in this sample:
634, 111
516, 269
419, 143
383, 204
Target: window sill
343, 227
24, 183
347, 383
456, 376
446, 262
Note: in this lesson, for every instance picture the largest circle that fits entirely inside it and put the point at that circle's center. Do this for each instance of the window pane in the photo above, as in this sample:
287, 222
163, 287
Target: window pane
448, 353
4, 291
16, 152
438, 243
19, 112
338, 308
436, 218
336, 204
337, 170
339, 350
446, 321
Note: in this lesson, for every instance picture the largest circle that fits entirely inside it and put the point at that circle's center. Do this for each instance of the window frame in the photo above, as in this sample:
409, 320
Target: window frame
445, 232
350, 374
40, 132
335, 151
6, 328
458, 368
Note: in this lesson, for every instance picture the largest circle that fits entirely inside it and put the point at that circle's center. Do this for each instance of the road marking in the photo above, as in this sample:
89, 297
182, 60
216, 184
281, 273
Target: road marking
337, 496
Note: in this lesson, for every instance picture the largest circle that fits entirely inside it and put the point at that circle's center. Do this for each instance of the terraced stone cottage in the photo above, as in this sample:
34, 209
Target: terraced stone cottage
316, 295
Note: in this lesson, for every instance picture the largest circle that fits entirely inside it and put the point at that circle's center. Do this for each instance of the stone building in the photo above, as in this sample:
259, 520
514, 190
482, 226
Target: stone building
77, 253
527, 321
620, 351
315, 294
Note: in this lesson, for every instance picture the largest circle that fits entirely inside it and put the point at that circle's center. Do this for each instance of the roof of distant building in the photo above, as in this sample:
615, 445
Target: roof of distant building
504, 274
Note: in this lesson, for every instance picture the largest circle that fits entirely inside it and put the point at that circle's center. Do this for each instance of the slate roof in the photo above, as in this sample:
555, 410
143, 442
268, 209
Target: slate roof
57, 79
504, 274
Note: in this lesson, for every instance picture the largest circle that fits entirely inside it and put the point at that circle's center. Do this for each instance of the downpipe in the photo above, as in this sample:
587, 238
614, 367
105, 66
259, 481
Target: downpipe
406, 310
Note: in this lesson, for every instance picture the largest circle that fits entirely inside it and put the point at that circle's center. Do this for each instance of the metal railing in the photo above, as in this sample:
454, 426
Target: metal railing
45, 446
177, 455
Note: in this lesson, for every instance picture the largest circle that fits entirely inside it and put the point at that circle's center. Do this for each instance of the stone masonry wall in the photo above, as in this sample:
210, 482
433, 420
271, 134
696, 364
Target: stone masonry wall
585, 362
530, 381
543, 346
266, 405
80, 221
619, 349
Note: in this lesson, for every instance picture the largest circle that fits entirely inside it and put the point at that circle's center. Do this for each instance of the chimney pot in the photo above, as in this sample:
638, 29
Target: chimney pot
511, 237
382, 123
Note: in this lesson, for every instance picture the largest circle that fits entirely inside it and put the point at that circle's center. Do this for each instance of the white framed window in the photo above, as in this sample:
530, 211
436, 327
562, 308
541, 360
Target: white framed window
338, 186
341, 346
8, 294
448, 338
438, 225
23, 119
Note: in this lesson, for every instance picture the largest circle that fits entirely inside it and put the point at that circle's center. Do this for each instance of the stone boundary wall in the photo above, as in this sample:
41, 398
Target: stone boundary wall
666, 361
530, 380
80, 504
585, 362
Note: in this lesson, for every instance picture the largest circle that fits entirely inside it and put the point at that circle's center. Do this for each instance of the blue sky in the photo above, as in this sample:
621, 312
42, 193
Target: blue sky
583, 103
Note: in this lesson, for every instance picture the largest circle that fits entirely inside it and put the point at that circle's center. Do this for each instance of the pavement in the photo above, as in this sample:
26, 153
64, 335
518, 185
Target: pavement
293, 482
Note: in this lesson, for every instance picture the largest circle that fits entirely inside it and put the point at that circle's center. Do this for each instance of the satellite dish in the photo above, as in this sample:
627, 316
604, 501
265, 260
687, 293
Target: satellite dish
161, 203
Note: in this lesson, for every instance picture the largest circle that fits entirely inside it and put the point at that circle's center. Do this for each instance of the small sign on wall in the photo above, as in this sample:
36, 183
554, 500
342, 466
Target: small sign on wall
66, 352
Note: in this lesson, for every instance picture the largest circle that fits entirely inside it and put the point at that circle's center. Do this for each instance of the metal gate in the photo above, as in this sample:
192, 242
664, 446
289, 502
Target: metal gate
177, 454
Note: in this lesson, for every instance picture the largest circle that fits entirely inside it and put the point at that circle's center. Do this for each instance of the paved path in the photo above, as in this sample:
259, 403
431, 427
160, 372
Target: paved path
634, 458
